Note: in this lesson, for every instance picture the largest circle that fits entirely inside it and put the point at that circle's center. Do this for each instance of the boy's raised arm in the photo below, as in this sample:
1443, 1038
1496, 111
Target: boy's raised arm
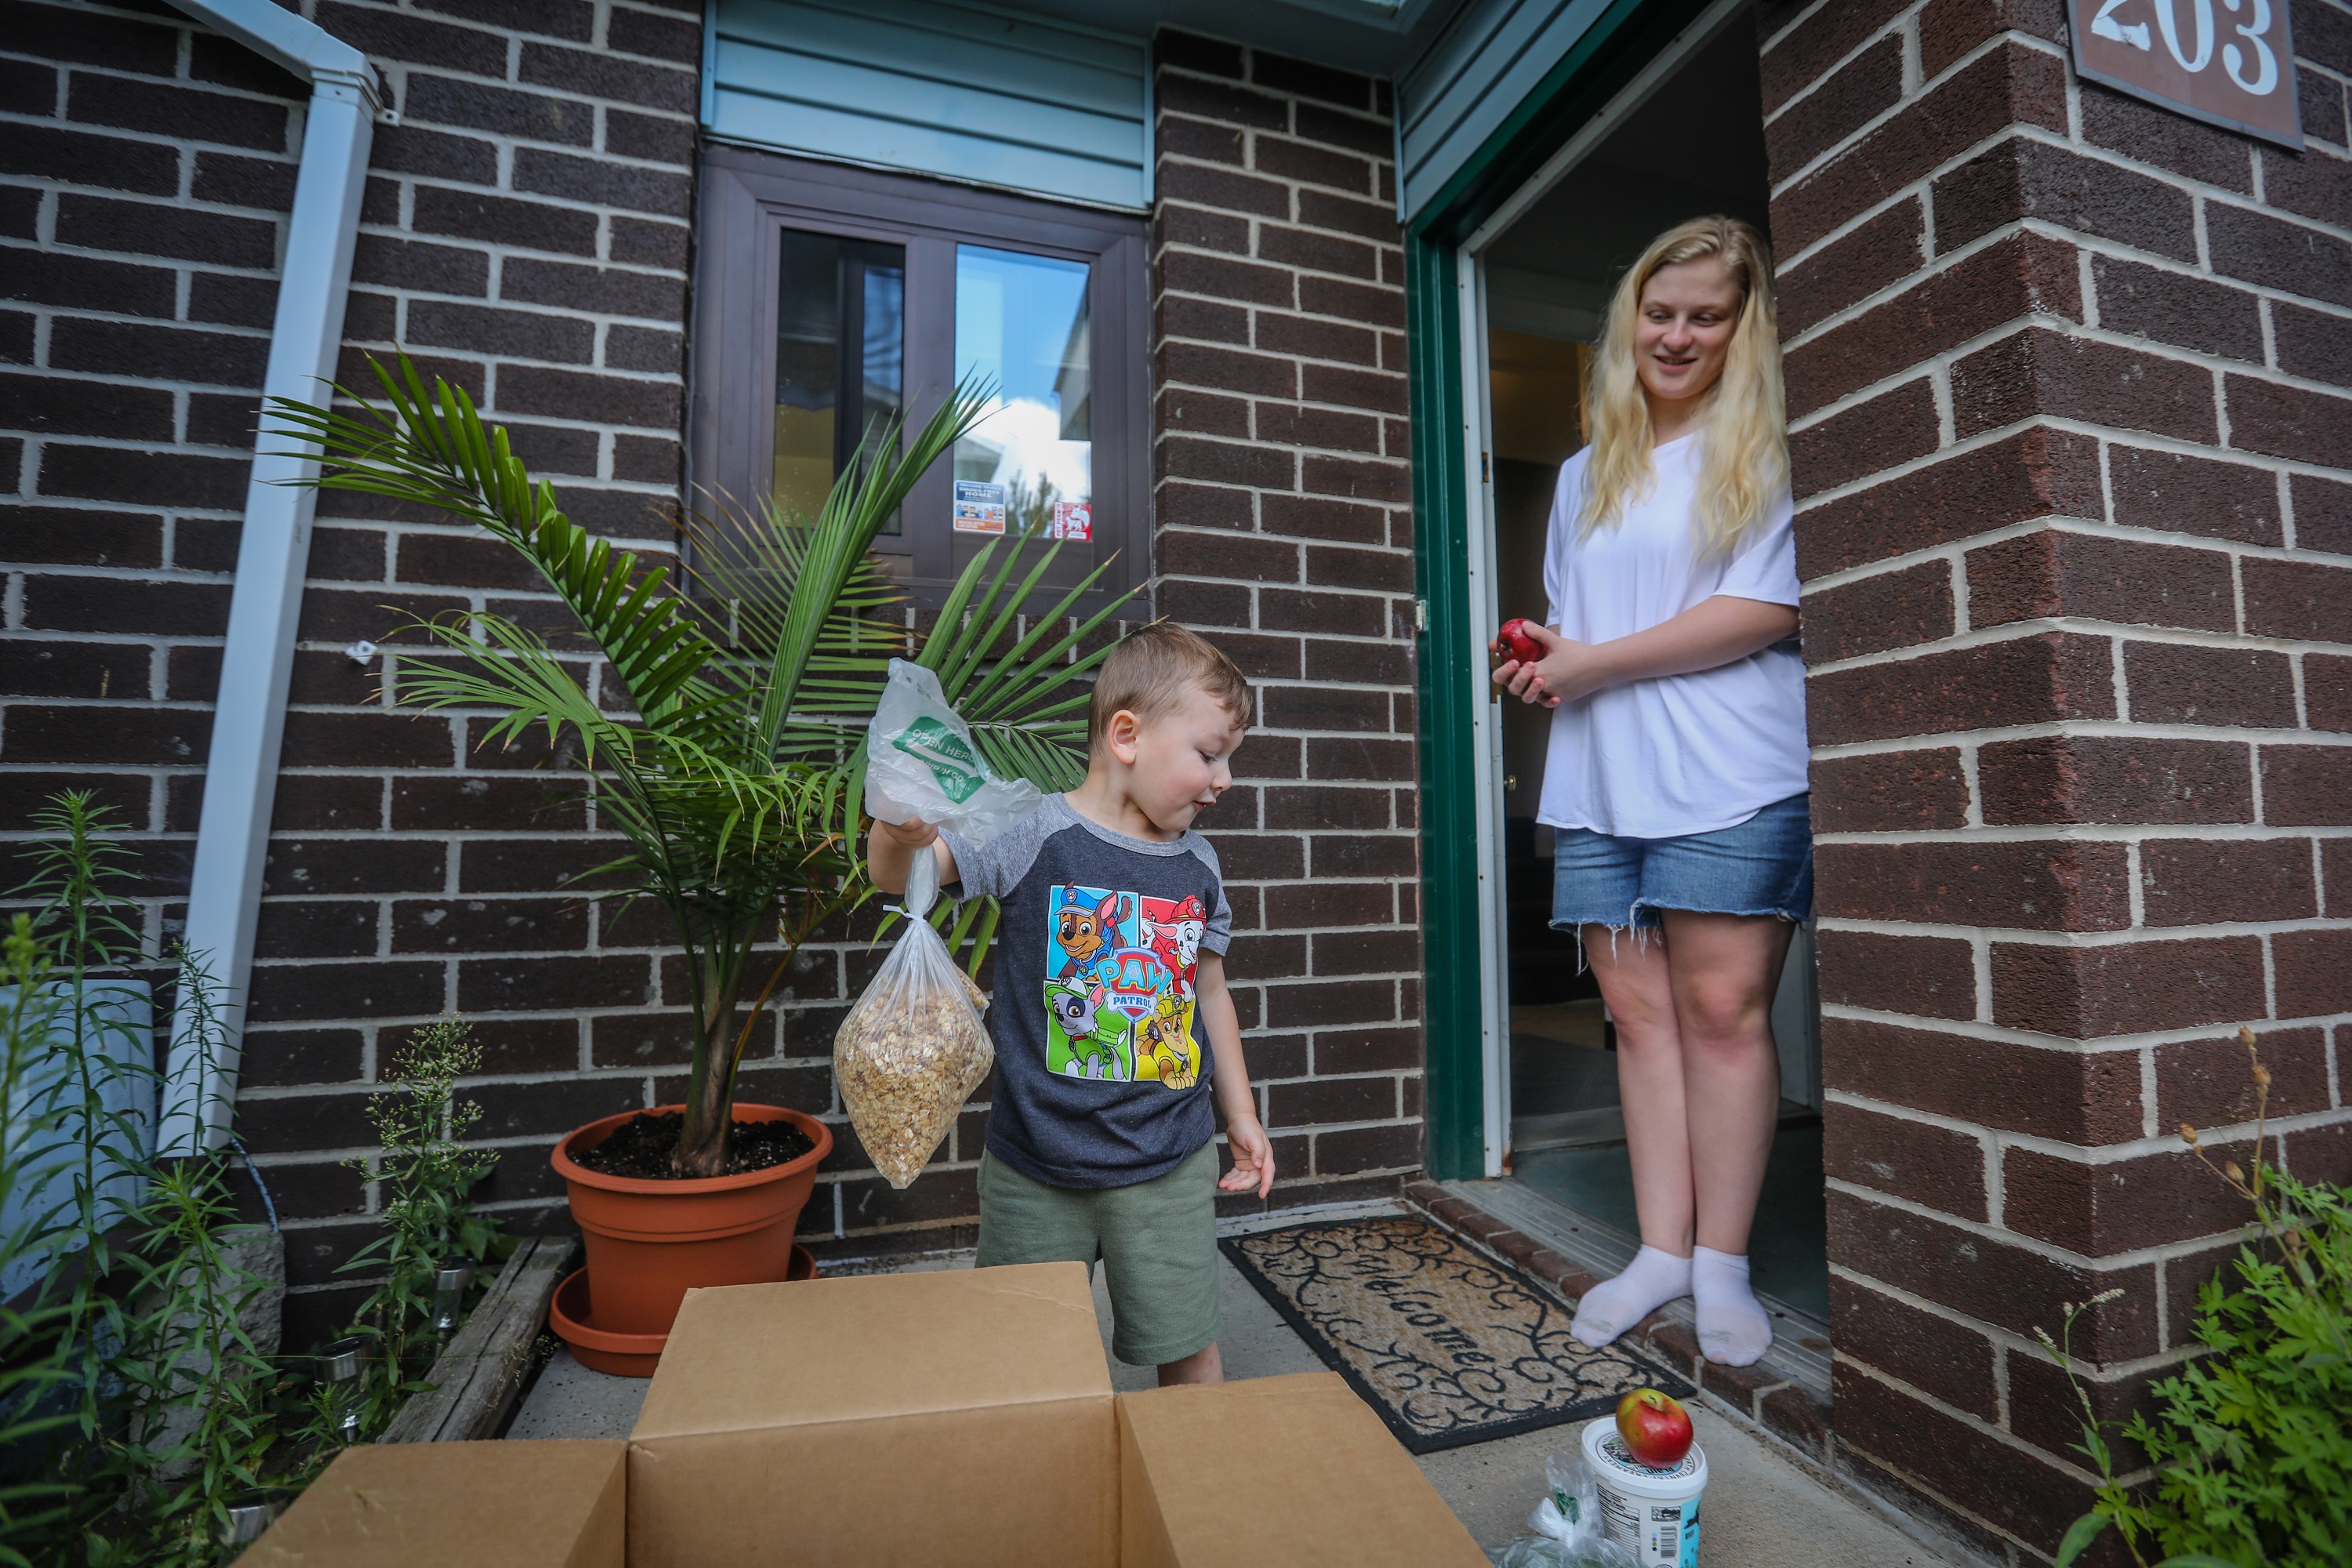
891, 846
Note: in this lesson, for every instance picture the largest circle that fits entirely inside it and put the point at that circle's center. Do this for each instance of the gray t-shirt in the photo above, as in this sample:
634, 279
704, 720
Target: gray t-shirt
1102, 1074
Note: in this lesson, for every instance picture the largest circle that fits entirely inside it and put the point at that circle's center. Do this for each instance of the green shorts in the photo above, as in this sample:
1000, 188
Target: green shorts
1157, 1241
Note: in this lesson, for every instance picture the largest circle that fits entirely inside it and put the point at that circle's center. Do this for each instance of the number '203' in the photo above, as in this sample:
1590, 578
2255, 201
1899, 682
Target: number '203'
2195, 52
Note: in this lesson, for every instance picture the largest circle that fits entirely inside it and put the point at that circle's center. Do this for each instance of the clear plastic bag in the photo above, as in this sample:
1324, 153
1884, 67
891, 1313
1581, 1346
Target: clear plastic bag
921, 761
1567, 1524
913, 1048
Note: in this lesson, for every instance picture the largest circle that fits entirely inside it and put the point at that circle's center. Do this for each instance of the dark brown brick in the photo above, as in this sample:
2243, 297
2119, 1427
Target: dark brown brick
2060, 573
2328, 692
2176, 307
2036, 473
2087, 992
1934, 977
2025, 179
1795, 59
411, 264
2298, 599
1890, 792
2209, 1083
1946, 1358
1950, 28
2039, 372
2277, 254
1839, 104
1890, 429
1354, 1149
1915, 1160
2032, 886
1232, 105
2008, 1286
2113, 779
2305, 787
2072, 1095
151, 229
53, 406
1893, 609
2038, 679
2312, 345
2190, 683
79, 157
2120, 1205
1852, 268
177, 112
376, 989
2288, 422
2194, 494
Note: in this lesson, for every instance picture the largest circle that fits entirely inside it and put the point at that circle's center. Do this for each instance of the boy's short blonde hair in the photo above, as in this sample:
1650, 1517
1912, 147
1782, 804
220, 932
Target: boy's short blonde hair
1149, 671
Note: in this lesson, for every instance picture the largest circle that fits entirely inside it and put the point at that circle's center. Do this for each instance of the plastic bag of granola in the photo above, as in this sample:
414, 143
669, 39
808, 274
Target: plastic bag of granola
913, 1048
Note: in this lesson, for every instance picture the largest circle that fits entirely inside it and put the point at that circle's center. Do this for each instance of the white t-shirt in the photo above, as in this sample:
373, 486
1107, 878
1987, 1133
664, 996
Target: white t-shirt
1676, 754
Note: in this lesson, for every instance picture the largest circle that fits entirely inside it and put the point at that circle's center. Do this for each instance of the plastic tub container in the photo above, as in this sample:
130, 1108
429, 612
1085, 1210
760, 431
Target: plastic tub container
1654, 1514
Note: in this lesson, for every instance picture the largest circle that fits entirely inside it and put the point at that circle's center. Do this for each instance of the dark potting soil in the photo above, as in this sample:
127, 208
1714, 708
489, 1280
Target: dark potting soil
640, 1147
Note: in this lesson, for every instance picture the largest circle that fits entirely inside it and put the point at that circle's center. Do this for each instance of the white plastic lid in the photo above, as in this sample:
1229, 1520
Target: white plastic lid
1617, 1469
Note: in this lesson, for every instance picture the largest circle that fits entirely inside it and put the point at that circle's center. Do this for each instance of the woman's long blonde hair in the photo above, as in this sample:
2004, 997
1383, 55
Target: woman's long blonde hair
1743, 423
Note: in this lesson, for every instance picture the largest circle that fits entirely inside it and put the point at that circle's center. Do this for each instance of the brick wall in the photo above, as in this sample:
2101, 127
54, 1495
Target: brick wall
1284, 533
2068, 384
524, 233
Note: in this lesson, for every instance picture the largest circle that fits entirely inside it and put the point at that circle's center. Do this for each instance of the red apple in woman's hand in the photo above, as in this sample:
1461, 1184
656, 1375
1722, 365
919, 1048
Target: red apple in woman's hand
1517, 644
1657, 1431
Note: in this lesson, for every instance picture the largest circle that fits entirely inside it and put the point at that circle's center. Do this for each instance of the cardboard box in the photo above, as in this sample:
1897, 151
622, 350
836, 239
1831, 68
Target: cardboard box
1295, 1470
458, 1505
959, 1416
935, 1420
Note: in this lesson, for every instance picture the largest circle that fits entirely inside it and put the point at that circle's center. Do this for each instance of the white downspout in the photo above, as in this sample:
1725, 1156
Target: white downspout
273, 554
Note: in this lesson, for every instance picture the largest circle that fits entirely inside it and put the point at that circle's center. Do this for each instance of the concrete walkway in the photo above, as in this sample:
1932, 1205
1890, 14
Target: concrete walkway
1763, 1511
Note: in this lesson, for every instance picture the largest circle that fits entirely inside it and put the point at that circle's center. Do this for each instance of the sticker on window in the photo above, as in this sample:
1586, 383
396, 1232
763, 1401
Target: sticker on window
979, 507
1073, 519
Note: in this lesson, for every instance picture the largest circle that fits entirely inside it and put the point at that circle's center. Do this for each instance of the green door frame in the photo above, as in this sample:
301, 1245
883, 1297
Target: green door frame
1617, 44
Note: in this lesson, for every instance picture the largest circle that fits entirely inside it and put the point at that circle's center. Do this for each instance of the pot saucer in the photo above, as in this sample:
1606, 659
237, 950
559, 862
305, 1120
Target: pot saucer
570, 1317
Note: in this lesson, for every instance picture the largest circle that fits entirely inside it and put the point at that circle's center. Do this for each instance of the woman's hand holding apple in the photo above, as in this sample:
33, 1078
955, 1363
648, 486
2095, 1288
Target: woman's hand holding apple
1567, 670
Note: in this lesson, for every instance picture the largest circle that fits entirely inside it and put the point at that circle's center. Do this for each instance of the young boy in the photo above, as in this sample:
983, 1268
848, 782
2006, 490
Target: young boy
1109, 972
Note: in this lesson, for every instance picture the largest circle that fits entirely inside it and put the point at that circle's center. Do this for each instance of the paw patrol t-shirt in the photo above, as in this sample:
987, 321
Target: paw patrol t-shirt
1102, 1073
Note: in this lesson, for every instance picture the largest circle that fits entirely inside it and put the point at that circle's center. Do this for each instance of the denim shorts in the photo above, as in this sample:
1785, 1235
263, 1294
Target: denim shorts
1763, 866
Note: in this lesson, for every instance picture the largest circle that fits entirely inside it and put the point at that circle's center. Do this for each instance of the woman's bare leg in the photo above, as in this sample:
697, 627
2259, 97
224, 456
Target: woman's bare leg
1723, 971
1635, 982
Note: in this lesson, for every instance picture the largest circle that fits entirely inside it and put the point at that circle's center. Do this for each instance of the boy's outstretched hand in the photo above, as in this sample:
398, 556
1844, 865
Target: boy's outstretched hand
1253, 1157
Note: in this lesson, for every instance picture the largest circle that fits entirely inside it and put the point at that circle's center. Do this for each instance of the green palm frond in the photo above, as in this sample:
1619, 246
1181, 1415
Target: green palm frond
431, 448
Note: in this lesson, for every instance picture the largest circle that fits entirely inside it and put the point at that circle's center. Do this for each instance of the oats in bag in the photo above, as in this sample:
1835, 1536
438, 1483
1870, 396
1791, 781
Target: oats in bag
913, 1048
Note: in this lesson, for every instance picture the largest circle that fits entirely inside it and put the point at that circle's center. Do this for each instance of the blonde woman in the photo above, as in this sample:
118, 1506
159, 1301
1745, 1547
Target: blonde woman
1676, 773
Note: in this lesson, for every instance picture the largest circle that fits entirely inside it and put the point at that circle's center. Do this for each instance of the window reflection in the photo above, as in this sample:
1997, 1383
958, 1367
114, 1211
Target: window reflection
840, 359
1021, 326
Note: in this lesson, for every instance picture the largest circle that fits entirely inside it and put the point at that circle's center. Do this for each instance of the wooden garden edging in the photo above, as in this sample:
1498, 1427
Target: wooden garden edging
479, 1375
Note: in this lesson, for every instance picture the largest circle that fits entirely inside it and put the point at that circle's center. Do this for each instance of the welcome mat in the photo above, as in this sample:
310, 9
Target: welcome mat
1448, 1345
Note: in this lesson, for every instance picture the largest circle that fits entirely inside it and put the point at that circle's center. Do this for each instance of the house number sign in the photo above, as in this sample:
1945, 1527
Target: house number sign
2229, 62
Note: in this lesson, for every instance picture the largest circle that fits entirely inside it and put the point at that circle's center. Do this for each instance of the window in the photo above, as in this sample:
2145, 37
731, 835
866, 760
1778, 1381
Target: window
831, 298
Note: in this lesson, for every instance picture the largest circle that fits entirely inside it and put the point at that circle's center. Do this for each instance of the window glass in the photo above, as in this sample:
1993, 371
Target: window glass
841, 353
1022, 327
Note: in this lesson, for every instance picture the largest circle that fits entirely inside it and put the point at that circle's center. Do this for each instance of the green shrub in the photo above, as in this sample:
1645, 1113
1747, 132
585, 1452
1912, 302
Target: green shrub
2251, 1455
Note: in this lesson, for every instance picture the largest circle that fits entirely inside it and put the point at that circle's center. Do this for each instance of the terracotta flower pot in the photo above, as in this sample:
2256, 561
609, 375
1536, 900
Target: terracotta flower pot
651, 1242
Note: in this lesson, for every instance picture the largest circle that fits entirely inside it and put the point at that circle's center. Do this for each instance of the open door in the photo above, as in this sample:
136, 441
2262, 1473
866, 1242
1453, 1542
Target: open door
1686, 138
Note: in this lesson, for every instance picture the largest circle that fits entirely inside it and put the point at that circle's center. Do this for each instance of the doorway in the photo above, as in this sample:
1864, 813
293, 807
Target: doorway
1685, 138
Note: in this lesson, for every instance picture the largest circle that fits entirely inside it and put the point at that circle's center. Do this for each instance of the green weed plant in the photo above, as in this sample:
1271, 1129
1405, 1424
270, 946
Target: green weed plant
2250, 1450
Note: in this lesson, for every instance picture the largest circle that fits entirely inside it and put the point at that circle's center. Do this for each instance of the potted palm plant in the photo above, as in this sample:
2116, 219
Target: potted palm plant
725, 744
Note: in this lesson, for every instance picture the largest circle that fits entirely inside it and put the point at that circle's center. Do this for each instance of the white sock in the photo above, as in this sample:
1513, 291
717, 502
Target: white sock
1649, 1282
1733, 1328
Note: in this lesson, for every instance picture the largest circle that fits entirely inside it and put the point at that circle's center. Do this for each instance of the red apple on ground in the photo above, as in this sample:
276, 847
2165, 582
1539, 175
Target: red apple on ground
1517, 644
1657, 1430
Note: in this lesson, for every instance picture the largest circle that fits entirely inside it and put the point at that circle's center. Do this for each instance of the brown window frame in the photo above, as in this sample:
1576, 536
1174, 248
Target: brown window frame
748, 196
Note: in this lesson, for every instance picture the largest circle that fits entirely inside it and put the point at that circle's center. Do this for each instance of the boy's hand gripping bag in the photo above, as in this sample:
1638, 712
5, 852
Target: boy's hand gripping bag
913, 1048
